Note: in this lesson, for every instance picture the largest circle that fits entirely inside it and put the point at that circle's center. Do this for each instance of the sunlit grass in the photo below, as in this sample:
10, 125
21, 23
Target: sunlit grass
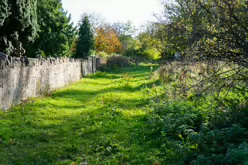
98, 120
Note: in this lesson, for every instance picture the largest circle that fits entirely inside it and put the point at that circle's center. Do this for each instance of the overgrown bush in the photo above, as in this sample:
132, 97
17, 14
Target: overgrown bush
198, 117
118, 61
202, 77
131, 52
200, 132
145, 54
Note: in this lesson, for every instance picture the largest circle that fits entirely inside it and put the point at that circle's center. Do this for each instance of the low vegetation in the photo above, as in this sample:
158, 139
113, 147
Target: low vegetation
118, 61
199, 115
129, 116
184, 113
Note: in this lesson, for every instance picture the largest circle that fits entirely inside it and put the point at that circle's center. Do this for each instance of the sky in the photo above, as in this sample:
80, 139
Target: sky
137, 11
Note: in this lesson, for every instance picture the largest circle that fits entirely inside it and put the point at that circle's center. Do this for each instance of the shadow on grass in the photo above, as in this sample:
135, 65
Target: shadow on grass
85, 95
136, 71
32, 141
64, 128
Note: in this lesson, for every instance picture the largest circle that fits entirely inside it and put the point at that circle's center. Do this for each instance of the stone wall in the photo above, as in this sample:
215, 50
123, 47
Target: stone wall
22, 78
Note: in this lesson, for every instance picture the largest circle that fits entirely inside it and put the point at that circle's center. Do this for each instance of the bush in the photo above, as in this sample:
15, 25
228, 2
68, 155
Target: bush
201, 126
147, 54
151, 54
103, 55
131, 52
194, 133
118, 61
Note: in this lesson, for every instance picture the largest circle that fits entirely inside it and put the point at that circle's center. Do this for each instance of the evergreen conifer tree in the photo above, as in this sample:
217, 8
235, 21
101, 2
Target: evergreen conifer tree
56, 34
18, 23
85, 42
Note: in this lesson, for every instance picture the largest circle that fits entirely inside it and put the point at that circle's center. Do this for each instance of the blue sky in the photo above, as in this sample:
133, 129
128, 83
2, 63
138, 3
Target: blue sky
137, 11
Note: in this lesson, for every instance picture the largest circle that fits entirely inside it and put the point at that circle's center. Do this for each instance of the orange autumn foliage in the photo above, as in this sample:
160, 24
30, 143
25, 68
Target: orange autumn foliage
107, 40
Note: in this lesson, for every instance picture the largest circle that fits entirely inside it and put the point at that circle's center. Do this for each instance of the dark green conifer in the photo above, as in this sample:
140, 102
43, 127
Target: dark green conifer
18, 23
85, 42
56, 34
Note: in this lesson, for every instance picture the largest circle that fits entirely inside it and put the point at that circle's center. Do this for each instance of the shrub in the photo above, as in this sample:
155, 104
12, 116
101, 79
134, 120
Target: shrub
201, 131
188, 128
152, 54
103, 55
118, 61
131, 52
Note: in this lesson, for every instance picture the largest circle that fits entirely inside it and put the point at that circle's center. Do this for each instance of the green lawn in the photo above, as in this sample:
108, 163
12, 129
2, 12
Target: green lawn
101, 119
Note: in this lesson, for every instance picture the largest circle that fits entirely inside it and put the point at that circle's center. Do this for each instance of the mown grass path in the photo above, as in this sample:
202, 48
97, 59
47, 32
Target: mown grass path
98, 120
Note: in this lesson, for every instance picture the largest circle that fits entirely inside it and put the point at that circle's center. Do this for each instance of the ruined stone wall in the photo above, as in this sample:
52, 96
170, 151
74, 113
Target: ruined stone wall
22, 78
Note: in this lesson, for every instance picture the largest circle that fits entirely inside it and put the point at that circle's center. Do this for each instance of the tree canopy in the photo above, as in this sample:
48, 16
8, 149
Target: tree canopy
56, 33
107, 40
207, 29
18, 23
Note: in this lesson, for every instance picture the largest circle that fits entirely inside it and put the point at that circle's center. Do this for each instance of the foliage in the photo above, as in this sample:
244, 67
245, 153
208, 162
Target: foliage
207, 29
85, 43
150, 46
24, 29
125, 32
142, 47
132, 52
123, 29
154, 37
106, 112
128, 42
196, 132
195, 125
132, 48
118, 61
95, 20
200, 110
56, 34
103, 55
152, 54
107, 40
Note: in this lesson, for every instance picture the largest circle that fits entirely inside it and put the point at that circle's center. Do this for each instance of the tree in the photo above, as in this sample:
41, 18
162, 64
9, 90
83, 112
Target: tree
18, 24
95, 20
124, 29
150, 46
56, 33
85, 43
125, 32
211, 29
213, 32
225, 33
107, 40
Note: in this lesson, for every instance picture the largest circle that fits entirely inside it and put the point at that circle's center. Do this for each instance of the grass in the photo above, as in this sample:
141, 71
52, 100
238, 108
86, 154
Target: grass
98, 120
127, 116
